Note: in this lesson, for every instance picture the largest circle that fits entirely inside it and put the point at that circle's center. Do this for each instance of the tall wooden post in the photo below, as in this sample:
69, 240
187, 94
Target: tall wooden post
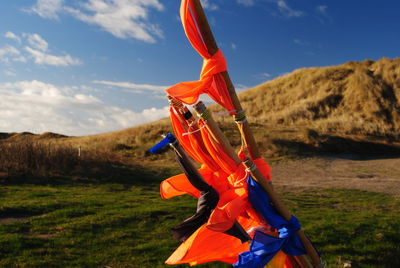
212, 48
246, 133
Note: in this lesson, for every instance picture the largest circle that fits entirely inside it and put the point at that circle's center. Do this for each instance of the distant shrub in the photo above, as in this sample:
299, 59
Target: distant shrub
46, 158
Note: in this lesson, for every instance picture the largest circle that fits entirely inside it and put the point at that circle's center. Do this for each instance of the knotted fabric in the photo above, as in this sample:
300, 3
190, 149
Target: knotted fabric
206, 203
211, 80
264, 247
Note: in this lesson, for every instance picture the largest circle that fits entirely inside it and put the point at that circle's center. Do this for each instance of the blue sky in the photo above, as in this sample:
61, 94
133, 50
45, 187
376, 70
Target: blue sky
82, 67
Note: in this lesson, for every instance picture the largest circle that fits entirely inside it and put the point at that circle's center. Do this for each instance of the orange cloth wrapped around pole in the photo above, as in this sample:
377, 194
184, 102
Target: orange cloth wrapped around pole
208, 243
192, 143
211, 81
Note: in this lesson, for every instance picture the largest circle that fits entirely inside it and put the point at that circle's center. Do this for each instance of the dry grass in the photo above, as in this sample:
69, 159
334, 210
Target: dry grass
40, 158
341, 107
356, 98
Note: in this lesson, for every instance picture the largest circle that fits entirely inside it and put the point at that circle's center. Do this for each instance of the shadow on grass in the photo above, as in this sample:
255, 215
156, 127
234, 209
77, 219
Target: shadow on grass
339, 147
94, 173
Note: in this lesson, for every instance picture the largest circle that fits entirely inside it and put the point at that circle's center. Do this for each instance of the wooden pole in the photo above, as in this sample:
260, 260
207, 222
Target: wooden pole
212, 48
245, 130
217, 134
282, 210
215, 131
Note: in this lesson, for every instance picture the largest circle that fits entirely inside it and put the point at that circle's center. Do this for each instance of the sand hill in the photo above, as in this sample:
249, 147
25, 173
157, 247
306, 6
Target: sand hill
357, 98
353, 107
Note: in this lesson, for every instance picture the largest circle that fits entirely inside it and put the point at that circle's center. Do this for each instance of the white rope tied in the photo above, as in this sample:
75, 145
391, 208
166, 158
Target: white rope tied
251, 168
225, 113
240, 181
194, 131
241, 122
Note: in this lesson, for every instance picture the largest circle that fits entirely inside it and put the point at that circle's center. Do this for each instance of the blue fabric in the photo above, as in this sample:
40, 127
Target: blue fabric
169, 138
264, 247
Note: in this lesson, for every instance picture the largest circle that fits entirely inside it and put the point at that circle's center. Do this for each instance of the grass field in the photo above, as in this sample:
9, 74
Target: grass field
127, 225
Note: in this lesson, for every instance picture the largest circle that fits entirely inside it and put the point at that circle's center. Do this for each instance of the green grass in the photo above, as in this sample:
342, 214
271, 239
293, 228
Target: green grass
119, 225
351, 225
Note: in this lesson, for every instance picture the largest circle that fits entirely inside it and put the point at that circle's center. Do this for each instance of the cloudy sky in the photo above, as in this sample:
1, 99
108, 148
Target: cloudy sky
81, 67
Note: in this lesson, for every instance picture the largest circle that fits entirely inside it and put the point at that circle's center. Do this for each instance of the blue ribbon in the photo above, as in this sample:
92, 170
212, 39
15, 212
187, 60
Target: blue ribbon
169, 138
264, 246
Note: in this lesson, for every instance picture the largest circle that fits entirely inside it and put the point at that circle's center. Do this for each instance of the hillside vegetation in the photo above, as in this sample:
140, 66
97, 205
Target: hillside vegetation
349, 108
356, 98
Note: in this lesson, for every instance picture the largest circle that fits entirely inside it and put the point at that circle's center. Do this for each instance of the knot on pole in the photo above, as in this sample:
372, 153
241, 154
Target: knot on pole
240, 117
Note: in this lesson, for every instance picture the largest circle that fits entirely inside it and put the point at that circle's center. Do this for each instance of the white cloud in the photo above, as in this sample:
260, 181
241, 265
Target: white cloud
8, 50
266, 75
38, 107
20, 58
300, 42
9, 73
121, 18
207, 5
284, 9
287, 11
322, 9
36, 48
37, 41
13, 36
135, 88
233, 46
8, 53
247, 3
263, 76
322, 14
42, 58
47, 8
240, 87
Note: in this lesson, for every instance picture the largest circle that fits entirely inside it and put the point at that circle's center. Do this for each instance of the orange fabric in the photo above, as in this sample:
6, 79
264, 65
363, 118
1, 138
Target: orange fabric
230, 206
179, 130
216, 151
239, 177
192, 143
209, 243
189, 23
280, 260
264, 168
217, 179
206, 245
211, 81
179, 184
198, 145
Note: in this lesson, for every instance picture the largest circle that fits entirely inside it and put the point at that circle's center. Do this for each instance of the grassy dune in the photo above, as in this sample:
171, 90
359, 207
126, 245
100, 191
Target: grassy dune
353, 107
356, 98
349, 108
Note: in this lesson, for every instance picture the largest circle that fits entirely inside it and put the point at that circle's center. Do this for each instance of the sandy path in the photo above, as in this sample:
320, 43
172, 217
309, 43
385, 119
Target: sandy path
378, 175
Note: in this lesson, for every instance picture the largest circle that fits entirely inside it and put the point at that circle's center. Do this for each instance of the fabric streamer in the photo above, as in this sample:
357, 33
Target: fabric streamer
207, 201
229, 202
264, 246
211, 80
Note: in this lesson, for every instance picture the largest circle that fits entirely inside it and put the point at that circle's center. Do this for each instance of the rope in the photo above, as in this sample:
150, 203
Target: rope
205, 115
239, 181
251, 168
240, 117
225, 113
194, 131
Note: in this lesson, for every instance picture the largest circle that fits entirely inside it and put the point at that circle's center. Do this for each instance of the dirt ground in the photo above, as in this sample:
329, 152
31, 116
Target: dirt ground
377, 175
